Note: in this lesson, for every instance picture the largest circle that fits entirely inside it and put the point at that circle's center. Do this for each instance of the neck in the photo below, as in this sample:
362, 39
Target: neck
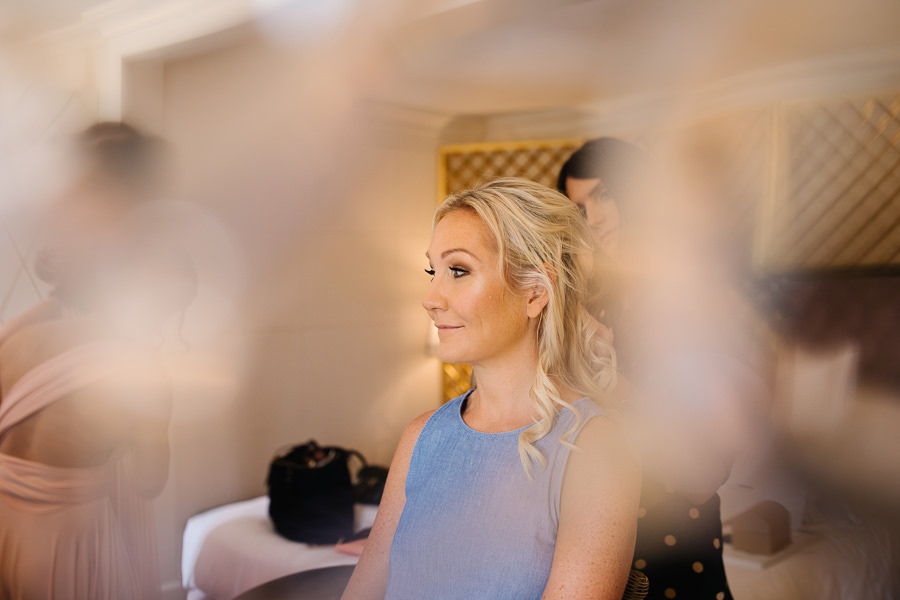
503, 395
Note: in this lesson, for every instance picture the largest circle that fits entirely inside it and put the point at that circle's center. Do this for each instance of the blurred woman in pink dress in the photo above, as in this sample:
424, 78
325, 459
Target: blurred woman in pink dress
84, 399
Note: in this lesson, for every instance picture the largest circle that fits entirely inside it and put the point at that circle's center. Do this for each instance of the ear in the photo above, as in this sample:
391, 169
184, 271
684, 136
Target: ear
539, 295
538, 298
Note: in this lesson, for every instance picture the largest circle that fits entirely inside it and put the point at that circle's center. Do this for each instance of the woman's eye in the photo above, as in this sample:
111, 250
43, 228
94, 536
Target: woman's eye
458, 272
430, 272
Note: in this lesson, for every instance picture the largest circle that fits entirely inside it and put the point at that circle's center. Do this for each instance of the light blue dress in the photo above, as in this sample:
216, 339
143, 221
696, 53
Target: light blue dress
474, 526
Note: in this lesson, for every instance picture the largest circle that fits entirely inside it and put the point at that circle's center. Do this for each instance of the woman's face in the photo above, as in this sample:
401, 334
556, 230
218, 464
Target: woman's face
600, 211
87, 213
478, 318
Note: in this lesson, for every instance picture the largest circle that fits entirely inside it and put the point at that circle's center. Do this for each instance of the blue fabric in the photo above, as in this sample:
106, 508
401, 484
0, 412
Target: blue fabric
474, 526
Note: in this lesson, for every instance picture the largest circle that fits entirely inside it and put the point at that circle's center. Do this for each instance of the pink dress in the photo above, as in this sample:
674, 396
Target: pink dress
70, 533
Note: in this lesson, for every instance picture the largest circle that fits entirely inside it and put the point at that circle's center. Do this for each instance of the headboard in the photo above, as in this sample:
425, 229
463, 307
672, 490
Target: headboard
824, 310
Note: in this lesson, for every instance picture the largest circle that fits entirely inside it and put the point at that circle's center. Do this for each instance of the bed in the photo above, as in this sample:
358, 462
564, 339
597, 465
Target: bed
234, 548
839, 560
836, 423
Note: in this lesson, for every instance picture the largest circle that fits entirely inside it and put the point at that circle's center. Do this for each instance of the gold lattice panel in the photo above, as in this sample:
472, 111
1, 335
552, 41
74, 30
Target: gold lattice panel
467, 166
824, 176
456, 378
838, 186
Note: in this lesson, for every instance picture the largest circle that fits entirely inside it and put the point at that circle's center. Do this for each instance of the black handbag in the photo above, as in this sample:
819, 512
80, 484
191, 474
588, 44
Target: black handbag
369, 488
311, 495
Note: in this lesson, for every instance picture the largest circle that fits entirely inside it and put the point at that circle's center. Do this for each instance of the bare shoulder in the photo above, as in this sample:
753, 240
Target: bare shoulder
603, 454
403, 455
416, 425
411, 435
395, 487
599, 433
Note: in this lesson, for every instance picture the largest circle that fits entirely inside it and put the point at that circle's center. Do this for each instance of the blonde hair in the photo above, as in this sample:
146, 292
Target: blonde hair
543, 241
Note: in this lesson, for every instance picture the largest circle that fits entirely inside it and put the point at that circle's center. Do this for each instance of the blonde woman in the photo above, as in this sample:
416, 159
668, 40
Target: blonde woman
521, 488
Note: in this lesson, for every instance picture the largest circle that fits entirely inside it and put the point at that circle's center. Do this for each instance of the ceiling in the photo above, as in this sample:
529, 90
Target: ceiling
24, 19
490, 56
557, 54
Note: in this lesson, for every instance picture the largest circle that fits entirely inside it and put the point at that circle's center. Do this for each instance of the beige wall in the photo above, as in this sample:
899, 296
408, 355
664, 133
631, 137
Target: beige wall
320, 333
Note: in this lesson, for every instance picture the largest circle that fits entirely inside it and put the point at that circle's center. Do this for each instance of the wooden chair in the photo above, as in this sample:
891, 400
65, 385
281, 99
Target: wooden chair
638, 586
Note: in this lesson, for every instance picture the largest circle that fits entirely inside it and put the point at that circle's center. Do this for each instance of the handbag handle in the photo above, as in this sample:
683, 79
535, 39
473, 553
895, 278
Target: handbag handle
358, 455
281, 452
284, 450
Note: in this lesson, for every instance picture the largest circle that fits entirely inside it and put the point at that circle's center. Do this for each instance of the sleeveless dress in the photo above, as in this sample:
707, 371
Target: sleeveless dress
474, 526
71, 533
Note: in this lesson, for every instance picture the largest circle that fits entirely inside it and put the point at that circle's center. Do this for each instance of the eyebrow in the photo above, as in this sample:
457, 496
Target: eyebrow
445, 253
598, 191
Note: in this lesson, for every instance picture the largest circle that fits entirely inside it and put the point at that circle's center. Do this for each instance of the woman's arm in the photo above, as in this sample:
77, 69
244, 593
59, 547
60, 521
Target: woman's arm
369, 578
598, 517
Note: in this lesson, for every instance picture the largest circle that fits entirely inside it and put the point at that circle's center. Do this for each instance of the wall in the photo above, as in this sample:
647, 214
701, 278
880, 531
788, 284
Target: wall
314, 268
45, 94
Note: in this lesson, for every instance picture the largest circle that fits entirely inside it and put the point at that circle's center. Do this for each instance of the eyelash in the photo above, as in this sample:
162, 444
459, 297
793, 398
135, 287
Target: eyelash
457, 272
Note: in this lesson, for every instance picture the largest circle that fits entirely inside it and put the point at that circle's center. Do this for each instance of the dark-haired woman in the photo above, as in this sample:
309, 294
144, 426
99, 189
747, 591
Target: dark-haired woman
679, 532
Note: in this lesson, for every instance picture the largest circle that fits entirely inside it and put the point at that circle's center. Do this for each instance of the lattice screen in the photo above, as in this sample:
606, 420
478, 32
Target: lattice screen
456, 380
838, 186
464, 167
742, 172
824, 175
468, 166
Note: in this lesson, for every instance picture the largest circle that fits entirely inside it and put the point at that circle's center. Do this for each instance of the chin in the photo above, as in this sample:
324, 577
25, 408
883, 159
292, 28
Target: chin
450, 355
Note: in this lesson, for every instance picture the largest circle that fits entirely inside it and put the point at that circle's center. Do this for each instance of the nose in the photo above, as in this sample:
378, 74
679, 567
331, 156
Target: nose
594, 216
434, 299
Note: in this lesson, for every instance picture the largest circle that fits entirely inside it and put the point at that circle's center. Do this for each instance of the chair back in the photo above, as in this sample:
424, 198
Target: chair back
638, 586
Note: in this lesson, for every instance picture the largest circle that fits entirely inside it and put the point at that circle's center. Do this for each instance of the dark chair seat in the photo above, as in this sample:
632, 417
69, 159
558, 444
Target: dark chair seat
318, 584
329, 584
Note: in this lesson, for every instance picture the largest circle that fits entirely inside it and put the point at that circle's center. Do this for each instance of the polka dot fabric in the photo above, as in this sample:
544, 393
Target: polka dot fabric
679, 546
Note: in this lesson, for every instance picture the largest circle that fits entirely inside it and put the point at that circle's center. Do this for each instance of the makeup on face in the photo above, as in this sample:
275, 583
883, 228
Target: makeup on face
476, 315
